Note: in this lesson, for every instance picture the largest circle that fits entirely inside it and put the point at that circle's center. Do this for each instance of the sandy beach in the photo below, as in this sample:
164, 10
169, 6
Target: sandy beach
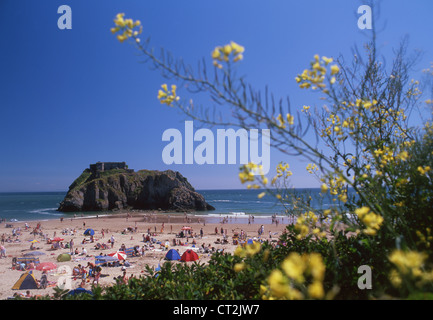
128, 230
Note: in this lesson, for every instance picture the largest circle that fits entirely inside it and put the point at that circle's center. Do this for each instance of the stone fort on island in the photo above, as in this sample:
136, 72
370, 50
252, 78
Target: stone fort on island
106, 166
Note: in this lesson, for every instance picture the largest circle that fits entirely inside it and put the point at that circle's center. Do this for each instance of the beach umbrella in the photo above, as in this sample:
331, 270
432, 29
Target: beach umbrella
34, 253
186, 228
79, 291
33, 241
89, 232
119, 255
46, 266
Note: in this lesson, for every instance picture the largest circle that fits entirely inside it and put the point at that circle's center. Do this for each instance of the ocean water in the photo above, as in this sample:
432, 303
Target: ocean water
235, 204
28, 206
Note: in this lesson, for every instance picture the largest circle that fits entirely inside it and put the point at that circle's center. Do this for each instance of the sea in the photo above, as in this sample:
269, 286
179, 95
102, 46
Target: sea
232, 204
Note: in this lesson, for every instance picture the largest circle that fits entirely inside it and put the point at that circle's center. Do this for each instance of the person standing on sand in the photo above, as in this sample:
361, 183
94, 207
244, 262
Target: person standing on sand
44, 280
2, 252
71, 246
112, 241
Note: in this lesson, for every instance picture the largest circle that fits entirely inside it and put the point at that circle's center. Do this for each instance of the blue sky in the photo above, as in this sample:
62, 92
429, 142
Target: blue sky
69, 98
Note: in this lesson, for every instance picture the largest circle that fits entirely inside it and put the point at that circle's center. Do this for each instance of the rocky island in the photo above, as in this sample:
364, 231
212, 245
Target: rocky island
112, 185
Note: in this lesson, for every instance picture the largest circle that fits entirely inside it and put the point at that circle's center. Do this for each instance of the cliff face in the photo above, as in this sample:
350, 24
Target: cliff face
144, 189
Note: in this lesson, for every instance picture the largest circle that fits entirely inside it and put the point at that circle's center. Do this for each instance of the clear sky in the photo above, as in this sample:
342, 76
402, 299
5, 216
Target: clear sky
69, 98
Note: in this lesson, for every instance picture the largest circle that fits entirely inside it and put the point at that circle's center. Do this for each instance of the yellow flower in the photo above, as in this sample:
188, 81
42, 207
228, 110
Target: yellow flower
334, 69
327, 60
316, 266
227, 49
423, 170
315, 290
216, 54
239, 267
290, 118
360, 212
395, 278
281, 121
166, 96
261, 195
324, 188
129, 23
278, 284
161, 94
372, 221
121, 37
237, 48
408, 262
126, 26
263, 289
252, 249
238, 57
119, 20
239, 252
223, 53
294, 266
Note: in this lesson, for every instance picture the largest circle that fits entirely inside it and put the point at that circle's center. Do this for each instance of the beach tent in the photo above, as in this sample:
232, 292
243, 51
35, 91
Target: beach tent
89, 232
63, 257
172, 254
189, 255
26, 281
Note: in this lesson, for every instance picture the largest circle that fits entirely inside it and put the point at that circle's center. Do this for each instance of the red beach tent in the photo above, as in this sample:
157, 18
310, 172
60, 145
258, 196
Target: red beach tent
189, 255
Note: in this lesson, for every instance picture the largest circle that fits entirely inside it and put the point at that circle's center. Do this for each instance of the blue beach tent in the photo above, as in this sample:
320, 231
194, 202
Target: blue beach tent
172, 255
89, 232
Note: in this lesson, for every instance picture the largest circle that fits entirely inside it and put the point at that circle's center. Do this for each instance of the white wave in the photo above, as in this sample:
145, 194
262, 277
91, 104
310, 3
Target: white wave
47, 211
238, 213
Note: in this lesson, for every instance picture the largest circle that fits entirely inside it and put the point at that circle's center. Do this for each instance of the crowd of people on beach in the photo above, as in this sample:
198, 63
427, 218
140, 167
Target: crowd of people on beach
83, 251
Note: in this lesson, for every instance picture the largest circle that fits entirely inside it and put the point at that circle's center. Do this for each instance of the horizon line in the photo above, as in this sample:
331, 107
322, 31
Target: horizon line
197, 189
